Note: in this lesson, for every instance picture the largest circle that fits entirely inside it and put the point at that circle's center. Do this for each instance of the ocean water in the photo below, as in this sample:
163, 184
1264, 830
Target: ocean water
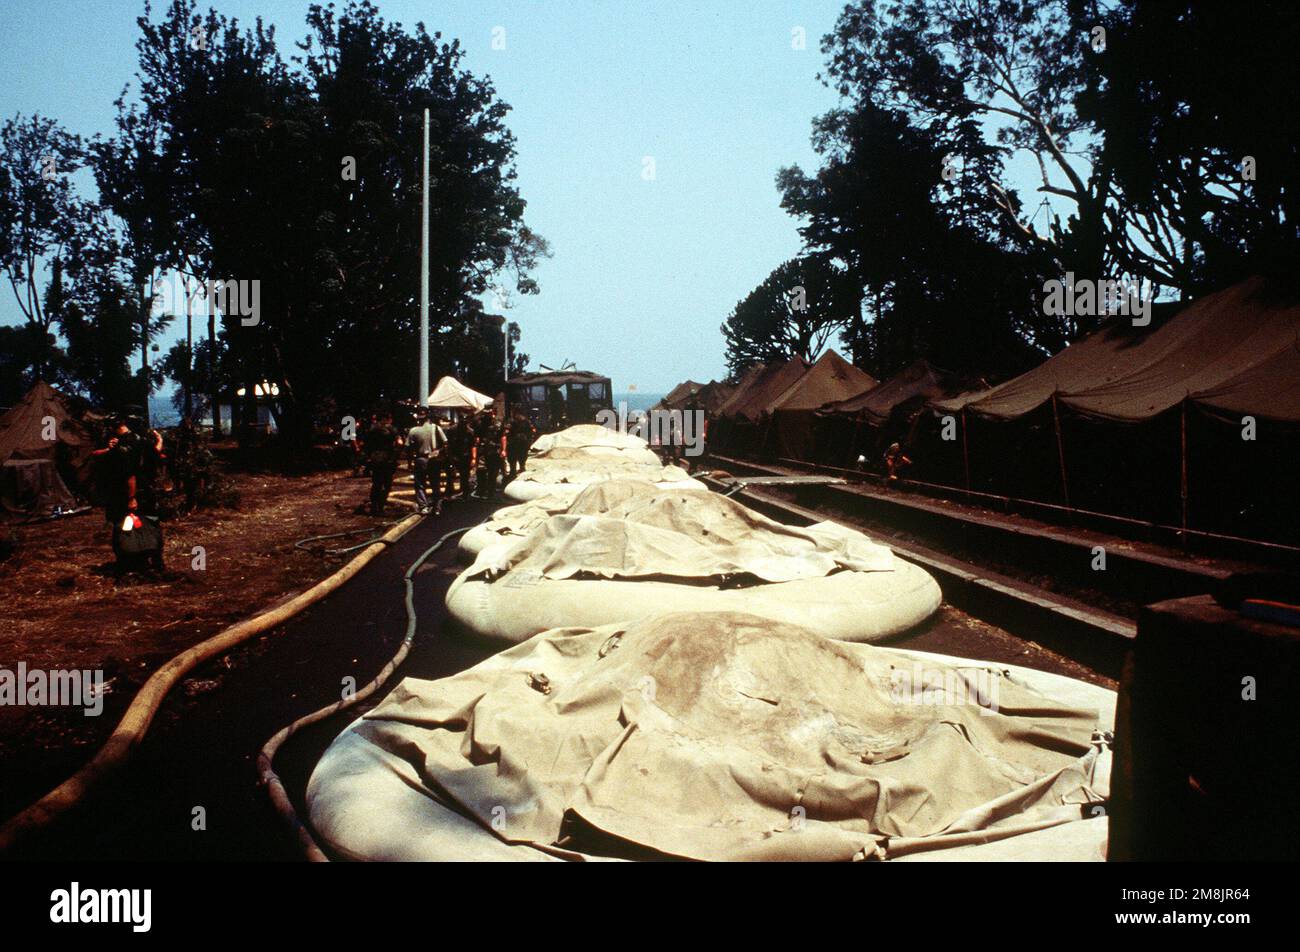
638, 400
161, 411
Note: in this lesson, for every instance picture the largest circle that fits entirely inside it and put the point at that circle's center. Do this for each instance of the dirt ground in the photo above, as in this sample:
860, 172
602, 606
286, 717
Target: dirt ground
63, 609
201, 748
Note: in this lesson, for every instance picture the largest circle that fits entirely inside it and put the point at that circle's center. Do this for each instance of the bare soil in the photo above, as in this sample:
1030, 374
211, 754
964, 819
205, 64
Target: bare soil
63, 609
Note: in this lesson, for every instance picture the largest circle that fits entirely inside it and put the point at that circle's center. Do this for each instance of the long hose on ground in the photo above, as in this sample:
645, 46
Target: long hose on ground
267, 776
305, 545
130, 731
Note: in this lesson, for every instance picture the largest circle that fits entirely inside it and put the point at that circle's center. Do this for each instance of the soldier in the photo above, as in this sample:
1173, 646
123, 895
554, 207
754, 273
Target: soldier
460, 452
426, 442
492, 454
382, 442
895, 462
519, 437
129, 465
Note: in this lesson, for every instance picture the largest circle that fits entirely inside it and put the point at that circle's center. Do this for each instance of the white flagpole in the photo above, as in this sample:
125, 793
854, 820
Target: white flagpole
424, 274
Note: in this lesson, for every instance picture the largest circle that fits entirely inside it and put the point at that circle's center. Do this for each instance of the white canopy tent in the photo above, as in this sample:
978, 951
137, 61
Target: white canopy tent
450, 393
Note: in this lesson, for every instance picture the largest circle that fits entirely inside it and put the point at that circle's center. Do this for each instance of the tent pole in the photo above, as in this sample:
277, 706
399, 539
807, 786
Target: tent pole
965, 449
1060, 452
1183, 482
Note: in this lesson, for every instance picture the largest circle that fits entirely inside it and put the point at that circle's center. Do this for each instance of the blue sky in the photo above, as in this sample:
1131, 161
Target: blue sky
643, 271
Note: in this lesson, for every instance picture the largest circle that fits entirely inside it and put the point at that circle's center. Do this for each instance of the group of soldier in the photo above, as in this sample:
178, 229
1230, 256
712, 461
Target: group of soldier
468, 458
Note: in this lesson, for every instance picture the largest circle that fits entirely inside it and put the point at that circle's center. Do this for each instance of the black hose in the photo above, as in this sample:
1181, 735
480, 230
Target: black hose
266, 757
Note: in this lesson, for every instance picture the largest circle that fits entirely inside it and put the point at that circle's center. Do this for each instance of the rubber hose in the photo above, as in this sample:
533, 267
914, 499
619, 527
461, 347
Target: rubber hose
130, 731
267, 776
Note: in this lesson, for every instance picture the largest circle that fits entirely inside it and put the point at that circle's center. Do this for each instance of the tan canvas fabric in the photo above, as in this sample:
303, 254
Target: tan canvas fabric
744, 386
689, 394
689, 551
846, 606
830, 378
714, 737
578, 457
682, 535
919, 382
450, 393
1238, 339
680, 394
560, 466
585, 435
23, 427
515, 522
791, 413
753, 399
570, 483
1269, 390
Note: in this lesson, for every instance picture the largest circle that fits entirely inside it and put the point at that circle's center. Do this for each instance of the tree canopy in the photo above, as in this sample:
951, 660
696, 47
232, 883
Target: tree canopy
1161, 139
294, 178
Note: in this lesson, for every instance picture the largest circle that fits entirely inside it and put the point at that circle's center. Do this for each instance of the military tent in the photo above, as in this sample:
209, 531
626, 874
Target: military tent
865, 423
1150, 422
790, 415
743, 412
41, 443
676, 398
1129, 374
748, 380
690, 395
773, 379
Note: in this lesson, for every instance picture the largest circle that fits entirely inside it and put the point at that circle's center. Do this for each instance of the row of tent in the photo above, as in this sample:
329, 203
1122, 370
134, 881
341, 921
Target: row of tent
1190, 421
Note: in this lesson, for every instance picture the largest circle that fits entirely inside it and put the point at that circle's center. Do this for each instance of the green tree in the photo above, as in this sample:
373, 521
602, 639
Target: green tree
1180, 95
1014, 67
40, 221
306, 178
792, 313
922, 243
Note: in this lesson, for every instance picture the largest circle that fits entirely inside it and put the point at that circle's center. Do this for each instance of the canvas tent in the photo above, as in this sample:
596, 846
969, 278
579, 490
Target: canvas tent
741, 388
696, 396
1130, 374
882, 414
831, 378
40, 442
770, 383
1269, 390
1145, 421
451, 394
920, 380
741, 413
677, 397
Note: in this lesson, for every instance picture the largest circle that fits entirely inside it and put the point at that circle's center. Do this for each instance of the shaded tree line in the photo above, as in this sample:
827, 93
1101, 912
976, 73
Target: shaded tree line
233, 159
1159, 139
